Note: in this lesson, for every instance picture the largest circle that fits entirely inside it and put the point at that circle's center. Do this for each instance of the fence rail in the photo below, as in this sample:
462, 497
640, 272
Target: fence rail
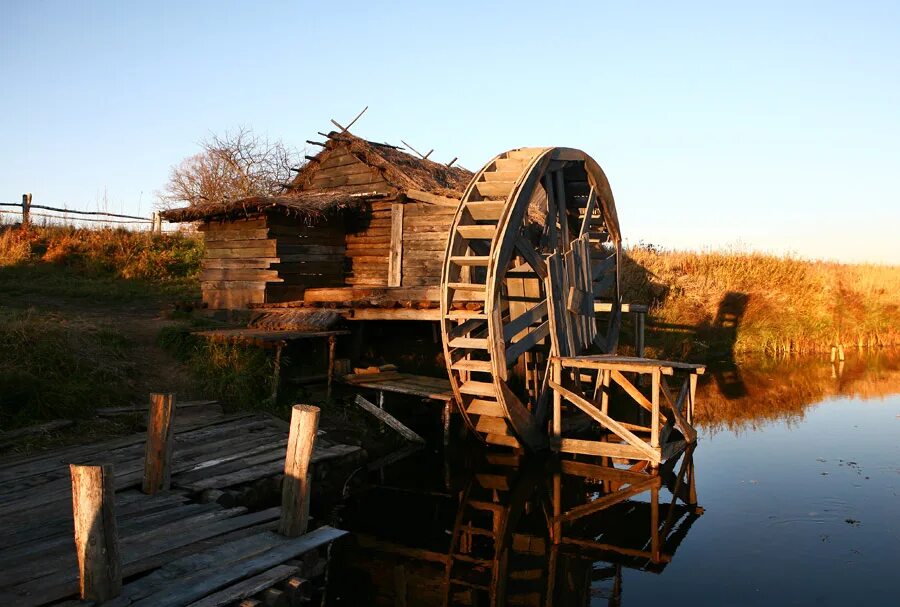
26, 206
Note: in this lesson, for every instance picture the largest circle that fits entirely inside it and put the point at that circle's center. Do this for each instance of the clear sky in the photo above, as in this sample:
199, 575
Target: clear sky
767, 125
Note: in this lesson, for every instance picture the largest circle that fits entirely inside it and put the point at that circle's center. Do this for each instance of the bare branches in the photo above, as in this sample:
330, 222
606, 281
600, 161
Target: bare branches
235, 165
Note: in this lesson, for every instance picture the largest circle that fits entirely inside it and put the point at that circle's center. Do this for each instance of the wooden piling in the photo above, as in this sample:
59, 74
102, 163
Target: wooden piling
96, 538
296, 487
160, 435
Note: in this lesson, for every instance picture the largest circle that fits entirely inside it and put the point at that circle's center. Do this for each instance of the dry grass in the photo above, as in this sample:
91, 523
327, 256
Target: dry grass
108, 263
780, 304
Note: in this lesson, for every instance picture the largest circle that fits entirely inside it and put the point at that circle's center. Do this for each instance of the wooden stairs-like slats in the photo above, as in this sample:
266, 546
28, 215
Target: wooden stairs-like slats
478, 222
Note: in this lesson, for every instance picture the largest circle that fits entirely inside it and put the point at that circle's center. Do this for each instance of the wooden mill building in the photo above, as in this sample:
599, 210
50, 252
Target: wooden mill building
360, 221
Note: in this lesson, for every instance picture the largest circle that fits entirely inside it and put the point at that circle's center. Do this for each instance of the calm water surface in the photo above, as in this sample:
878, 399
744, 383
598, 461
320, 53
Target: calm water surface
792, 497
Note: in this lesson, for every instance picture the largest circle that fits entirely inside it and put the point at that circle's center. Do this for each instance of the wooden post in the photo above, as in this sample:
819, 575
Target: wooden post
160, 435
156, 224
96, 538
556, 531
296, 486
395, 259
448, 411
641, 316
654, 415
556, 375
693, 394
26, 210
604, 395
331, 345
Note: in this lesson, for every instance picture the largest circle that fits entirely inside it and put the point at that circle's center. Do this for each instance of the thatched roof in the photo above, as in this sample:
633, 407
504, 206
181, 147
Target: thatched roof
401, 171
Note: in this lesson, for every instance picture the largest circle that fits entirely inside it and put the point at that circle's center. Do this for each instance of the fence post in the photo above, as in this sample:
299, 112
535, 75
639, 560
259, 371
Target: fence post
156, 225
296, 487
26, 210
96, 537
158, 452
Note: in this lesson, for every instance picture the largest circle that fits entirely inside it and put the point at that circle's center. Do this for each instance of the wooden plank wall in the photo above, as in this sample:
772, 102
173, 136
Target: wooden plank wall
425, 230
309, 256
237, 263
342, 168
368, 247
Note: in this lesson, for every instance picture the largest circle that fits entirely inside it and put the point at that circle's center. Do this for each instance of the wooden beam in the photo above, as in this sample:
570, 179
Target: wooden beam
513, 351
530, 255
430, 198
602, 449
611, 499
635, 393
389, 420
607, 422
395, 259
588, 212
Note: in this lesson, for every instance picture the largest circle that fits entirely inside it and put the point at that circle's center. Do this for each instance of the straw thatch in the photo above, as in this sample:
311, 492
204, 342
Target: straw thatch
401, 171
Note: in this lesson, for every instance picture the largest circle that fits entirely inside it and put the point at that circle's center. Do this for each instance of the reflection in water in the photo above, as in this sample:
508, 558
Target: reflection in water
512, 531
802, 498
746, 398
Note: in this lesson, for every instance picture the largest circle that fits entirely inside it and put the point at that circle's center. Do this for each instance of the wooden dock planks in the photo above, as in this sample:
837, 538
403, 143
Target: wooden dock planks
37, 558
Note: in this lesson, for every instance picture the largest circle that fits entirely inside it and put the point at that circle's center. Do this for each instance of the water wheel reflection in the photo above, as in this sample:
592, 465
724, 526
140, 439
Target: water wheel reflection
506, 530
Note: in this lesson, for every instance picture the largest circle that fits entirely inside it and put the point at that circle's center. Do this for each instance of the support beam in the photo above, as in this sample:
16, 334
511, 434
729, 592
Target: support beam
389, 419
395, 260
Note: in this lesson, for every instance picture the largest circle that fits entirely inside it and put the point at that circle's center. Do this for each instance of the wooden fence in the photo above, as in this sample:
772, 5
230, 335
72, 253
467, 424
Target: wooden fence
155, 222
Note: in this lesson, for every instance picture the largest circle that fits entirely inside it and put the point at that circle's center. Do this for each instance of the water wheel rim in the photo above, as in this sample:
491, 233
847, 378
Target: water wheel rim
506, 404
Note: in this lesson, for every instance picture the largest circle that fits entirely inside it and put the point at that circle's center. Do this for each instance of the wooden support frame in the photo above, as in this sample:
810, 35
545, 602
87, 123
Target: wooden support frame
662, 444
618, 486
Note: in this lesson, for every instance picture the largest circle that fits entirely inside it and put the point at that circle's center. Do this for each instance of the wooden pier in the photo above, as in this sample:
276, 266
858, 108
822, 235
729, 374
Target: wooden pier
203, 537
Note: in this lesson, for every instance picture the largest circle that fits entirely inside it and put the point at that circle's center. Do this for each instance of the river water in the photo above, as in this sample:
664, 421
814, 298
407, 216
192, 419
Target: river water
791, 497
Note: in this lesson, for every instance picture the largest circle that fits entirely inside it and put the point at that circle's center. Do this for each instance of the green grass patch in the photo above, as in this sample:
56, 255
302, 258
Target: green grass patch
53, 368
237, 375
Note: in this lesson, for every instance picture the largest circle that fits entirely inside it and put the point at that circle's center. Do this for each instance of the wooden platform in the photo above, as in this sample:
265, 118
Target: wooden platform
434, 388
37, 557
586, 381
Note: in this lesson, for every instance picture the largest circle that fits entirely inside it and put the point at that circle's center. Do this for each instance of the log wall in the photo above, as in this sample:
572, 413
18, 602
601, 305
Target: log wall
368, 242
237, 263
269, 258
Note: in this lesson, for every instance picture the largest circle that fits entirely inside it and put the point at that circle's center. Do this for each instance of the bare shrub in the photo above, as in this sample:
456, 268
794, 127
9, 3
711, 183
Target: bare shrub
236, 165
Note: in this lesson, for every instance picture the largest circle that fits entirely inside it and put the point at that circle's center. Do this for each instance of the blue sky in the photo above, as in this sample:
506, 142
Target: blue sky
757, 126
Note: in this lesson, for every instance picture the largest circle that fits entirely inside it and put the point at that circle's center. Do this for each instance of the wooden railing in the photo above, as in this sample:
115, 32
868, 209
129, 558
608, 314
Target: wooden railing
154, 221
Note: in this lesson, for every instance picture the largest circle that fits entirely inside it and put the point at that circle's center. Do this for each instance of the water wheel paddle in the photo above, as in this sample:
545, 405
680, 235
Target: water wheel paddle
534, 244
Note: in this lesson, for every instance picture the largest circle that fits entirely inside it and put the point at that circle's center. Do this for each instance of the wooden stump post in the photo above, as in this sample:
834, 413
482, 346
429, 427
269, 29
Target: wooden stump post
160, 435
26, 210
296, 487
96, 538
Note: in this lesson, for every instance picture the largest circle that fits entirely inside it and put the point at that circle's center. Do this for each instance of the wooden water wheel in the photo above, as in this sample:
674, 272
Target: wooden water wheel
533, 247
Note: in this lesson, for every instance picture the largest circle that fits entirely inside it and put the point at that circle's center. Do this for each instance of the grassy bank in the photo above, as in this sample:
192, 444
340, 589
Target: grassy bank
110, 264
728, 302
79, 313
